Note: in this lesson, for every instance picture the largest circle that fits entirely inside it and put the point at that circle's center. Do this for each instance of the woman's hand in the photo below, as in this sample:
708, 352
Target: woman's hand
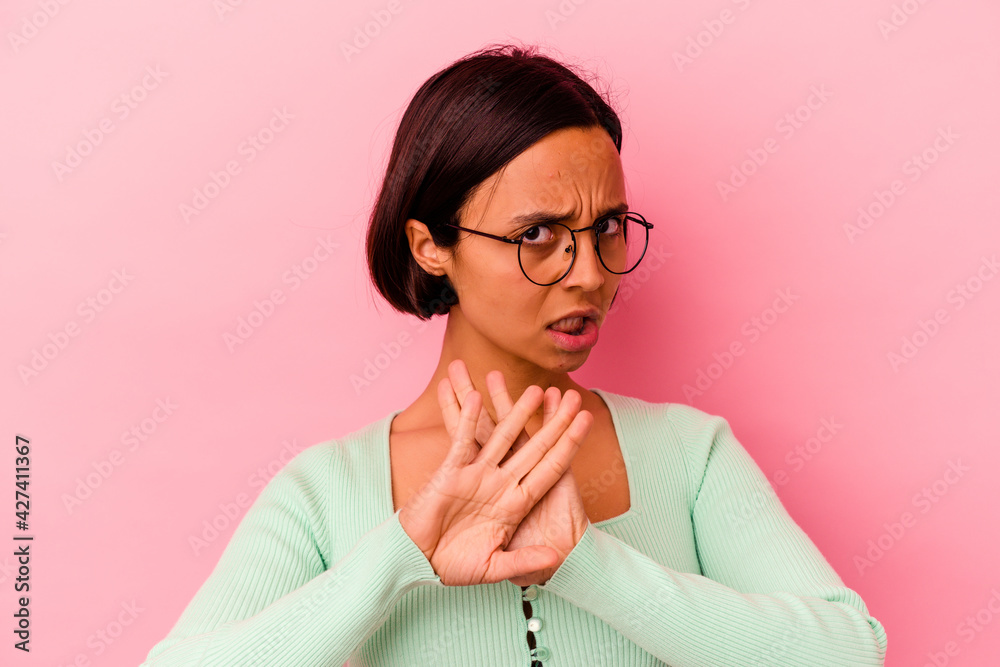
559, 519
465, 516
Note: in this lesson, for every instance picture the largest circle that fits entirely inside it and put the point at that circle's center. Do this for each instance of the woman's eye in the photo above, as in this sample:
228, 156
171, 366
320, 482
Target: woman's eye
613, 225
537, 234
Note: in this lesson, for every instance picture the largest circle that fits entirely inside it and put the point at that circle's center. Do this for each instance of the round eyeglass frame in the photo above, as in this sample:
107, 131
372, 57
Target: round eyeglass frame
629, 215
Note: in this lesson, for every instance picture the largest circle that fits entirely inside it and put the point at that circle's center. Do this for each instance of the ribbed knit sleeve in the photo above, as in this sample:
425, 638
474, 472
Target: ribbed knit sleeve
766, 594
273, 600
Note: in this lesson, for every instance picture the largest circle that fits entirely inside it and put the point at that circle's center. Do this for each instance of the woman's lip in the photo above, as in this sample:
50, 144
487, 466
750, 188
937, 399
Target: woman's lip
586, 315
586, 340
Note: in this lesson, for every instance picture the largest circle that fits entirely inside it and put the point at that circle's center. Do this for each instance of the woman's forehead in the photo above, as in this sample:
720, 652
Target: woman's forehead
565, 169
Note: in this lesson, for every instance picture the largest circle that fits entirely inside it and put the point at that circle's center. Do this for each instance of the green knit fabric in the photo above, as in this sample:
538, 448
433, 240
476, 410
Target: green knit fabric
706, 567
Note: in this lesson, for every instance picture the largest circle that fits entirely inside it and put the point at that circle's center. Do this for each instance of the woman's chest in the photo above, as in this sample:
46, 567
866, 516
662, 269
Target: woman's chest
598, 467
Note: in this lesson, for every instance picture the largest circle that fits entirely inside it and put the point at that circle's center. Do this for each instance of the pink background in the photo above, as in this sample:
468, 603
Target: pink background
879, 98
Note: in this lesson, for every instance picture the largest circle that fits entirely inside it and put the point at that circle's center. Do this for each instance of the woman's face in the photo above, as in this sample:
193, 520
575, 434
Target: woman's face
575, 172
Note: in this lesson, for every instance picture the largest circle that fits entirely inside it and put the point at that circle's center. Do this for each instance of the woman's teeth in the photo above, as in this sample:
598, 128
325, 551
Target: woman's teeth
569, 325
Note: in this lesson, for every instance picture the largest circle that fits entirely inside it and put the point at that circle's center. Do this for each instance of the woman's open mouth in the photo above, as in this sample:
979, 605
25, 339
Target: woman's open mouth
574, 333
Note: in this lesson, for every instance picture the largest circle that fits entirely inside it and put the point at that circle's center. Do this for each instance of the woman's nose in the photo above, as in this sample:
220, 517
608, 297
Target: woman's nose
587, 271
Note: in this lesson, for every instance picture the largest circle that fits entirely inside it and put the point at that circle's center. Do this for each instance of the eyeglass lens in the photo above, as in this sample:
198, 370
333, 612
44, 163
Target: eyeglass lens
546, 251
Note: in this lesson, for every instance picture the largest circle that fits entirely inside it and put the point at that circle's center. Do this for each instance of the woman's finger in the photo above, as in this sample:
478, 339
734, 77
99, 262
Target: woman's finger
499, 394
508, 430
553, 397
460, 422
507, 564
496, 383
458, 372
502, 403
556, 460
548, 437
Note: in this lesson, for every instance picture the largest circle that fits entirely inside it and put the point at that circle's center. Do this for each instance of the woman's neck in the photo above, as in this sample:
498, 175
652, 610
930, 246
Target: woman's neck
480, 358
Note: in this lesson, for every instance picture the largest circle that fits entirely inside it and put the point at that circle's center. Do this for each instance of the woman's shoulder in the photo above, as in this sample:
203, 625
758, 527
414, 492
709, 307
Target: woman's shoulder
686, 419
679, 426
323, 463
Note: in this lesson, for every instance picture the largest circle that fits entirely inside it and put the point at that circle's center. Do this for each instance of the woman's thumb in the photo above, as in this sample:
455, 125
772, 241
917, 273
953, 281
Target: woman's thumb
519, 562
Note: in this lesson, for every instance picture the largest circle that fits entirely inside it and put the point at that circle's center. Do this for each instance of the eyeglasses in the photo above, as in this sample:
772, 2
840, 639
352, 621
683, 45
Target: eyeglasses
546, 252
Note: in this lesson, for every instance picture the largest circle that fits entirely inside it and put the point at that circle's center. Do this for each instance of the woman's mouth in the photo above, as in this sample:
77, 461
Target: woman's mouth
574, 333
569, 325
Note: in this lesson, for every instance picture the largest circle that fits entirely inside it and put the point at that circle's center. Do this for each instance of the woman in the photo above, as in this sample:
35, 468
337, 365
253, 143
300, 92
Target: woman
510, 516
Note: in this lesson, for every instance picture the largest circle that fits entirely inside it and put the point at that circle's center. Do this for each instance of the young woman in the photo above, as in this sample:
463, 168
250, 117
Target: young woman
510, 516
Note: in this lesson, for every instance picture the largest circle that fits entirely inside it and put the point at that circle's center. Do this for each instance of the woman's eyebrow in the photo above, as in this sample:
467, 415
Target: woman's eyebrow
542, 217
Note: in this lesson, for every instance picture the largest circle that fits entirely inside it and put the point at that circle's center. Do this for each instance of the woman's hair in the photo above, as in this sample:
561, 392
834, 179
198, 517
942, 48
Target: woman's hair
463, 125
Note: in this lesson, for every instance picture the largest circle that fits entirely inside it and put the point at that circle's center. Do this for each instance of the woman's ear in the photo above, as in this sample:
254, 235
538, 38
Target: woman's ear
427, 254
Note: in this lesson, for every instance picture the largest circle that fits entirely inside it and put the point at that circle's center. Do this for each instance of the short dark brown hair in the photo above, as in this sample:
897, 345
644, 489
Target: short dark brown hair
463, 125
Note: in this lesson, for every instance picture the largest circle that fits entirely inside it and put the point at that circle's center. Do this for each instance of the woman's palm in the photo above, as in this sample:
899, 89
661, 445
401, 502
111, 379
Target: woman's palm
472, 518
466, 516
559, 518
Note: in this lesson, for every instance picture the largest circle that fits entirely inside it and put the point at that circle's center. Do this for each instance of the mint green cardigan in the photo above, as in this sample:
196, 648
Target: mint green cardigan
706, 567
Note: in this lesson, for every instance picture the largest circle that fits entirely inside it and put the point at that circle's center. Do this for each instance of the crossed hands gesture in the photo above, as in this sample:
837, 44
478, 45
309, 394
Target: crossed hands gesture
503, 504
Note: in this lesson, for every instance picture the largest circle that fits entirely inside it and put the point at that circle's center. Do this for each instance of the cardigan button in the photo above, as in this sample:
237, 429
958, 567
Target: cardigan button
541, 653
534, 624
530, 593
